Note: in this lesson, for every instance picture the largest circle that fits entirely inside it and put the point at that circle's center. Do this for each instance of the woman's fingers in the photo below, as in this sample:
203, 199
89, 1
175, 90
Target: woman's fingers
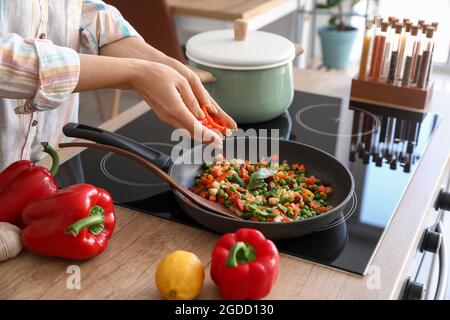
183, 118
201, 93
204, 98
188, 121
189, 98
223, 115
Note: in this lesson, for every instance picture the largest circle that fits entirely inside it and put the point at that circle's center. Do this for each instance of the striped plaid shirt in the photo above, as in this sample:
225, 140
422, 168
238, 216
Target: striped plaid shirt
39, 67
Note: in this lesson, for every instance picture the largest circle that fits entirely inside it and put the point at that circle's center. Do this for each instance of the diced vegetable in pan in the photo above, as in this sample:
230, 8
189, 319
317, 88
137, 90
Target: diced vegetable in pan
265, 191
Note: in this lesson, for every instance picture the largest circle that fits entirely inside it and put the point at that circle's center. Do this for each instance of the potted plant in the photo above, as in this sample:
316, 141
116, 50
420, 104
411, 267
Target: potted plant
336, 37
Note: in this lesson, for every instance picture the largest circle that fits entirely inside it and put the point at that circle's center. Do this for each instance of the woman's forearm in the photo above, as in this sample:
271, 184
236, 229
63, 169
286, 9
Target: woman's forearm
98, 72
134, 47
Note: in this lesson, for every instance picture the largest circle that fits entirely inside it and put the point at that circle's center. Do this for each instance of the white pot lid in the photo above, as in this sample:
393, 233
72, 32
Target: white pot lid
259, 50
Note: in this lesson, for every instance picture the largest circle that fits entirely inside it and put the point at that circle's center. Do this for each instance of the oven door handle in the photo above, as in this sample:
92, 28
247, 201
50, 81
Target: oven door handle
441, 288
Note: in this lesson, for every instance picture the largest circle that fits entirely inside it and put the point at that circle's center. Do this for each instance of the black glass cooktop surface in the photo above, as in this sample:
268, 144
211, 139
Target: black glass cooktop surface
381, 147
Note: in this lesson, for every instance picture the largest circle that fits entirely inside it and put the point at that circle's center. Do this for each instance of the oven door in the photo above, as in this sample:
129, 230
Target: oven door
428, 278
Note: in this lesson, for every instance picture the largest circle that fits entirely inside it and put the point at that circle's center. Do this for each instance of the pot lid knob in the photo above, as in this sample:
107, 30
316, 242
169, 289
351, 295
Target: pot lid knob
240, 29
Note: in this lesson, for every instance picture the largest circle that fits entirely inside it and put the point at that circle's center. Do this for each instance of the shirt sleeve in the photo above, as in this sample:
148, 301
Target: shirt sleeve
102, 24
36, 70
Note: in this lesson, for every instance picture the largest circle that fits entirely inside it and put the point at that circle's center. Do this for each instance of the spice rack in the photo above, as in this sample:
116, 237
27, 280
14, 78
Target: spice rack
384, 94
395, 64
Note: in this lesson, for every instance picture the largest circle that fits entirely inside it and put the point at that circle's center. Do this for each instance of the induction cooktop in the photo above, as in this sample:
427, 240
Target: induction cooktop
381, 147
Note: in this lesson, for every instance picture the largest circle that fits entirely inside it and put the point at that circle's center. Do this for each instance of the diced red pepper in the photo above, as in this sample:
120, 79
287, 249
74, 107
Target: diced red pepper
213, 122
222, 177
216, 172
277, 211
198, 189
311, 180
235, 198
240, 204
222, 122
314, 204
205, 181
244, 174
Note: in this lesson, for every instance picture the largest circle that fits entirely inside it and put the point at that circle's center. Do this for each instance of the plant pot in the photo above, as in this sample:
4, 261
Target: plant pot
336, 45
253, 77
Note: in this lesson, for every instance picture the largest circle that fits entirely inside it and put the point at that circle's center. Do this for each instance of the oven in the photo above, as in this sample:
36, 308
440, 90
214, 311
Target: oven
428, 277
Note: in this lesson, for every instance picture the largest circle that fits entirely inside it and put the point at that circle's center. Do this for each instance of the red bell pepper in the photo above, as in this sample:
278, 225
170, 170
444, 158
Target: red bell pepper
235, 198
23, 183
244, 265
222, 177
73, 223
212, 122
244, 173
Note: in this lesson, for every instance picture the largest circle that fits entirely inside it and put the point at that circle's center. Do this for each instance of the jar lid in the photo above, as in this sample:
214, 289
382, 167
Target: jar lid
226, 49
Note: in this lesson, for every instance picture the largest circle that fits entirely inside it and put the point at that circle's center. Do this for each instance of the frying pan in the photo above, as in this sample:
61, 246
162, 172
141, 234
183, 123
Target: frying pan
317, 163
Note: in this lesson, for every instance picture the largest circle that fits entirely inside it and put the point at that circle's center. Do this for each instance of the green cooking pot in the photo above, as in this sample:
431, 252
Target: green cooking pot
251, 96
252, 79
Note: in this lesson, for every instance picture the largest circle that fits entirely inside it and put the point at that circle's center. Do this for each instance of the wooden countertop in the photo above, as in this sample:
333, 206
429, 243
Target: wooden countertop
126, 269
222, 10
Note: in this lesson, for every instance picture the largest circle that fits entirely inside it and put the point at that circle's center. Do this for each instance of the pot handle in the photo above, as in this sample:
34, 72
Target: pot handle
298, 49
240, 29
205, 76
77, 130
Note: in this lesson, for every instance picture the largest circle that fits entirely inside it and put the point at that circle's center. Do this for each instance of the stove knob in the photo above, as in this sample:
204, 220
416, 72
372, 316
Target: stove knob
366, 157
407, 166
443, 200
410, 147
393, 164
379, 160
431, 241
352, 156
413, 290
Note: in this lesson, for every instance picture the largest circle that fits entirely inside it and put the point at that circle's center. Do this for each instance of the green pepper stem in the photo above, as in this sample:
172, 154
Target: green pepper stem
92, 220
55, 158
240, 252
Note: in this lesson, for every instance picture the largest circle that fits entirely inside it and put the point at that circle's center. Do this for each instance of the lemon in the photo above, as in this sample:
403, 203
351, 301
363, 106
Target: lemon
180, 276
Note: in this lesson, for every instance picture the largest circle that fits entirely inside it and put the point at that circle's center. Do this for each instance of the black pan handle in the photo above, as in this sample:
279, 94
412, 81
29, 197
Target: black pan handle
78, 130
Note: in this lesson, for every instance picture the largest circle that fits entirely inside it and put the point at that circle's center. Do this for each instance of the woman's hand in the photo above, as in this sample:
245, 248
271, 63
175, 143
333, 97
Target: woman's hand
176, 98
200, 92
184, 82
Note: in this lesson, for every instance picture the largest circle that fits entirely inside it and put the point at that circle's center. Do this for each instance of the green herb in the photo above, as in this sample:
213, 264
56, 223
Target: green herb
257, 177
227, 203
238, 180
283, 208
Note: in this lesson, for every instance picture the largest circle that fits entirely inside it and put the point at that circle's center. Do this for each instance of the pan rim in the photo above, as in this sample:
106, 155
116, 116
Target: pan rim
313, 218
